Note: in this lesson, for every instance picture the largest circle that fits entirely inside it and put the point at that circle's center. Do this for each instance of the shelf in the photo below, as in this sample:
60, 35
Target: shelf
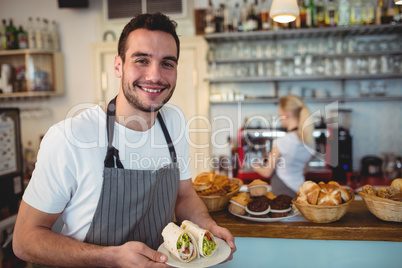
306, 33
12, 52
329, 55
312, 100
302, 78
30, 95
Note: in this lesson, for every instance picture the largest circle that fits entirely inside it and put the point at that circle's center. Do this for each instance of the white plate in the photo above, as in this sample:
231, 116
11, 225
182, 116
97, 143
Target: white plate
291, 214
220, 255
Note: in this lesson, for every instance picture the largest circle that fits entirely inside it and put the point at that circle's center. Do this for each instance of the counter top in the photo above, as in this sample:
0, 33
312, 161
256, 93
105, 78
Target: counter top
357, 224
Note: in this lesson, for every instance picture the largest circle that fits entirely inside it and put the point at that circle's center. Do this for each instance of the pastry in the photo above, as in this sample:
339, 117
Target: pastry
259, 207
308, 193
204, 181
238, 204
280, 206
397, 197
329, 195
369, 189
258, 188
386, 192
345, 195
397, 184
270, 195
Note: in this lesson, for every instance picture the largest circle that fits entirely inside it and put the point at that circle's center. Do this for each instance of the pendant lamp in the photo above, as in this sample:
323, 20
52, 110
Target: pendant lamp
284, 11
398, 2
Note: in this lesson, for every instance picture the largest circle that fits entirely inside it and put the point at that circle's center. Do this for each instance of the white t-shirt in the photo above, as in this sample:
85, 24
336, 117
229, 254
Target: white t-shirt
292, 161
68, 174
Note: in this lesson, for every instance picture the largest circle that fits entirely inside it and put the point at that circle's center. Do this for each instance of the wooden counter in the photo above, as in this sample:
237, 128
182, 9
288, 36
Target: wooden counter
357, 224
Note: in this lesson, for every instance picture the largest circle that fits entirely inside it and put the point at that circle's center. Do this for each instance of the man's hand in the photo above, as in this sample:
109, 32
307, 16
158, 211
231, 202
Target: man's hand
137, 254
224, 234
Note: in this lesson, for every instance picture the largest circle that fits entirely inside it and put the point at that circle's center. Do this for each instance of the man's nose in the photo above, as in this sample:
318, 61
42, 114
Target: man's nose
153, 73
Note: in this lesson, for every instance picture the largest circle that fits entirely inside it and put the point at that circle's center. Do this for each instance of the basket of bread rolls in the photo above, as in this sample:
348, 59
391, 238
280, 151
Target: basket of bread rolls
384, 202
323, 202
216, 189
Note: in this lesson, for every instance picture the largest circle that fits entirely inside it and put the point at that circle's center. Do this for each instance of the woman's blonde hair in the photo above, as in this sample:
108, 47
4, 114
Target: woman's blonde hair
295, 105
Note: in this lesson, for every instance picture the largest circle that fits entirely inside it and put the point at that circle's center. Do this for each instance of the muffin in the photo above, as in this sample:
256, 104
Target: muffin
258, 188
280, 206
259, 207
238, 204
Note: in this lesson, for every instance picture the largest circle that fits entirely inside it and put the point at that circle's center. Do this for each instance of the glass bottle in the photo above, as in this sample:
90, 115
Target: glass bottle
331, 14
344, 13
31, 33
265, 20
3, 36
310, 14
369, 14
252, 20
356, 12
302, 14
11, 34
236, 16
390, 166
22, 38
320, 13
55, 36
244, 13
38, 34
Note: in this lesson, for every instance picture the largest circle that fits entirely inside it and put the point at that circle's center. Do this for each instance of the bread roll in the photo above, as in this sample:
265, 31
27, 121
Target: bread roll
397, 184
345, 195
308, 192
329, 195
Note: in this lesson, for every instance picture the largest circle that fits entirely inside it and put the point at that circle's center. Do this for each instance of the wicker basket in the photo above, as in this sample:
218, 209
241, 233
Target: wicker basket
324, 214
382, 208
216, 203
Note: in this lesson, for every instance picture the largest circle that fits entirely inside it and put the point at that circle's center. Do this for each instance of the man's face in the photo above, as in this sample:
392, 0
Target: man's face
149, 72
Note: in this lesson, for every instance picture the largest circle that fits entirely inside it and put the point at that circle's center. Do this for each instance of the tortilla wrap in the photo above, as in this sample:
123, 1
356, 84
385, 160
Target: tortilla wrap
172, 234
199, 234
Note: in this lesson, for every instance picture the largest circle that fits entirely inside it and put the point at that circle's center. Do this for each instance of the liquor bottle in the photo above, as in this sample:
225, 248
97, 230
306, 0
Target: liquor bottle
218, 19
265, 20
31, 33
38, 34
236, 17
209, 19
356, 12
379, 11
47, 39
310, 14
344, 13
3, 36
252, 20
302, 14
227, 18
55, 36
390, 11
331, 14
11, 34
397, 14
244, 13
22, 38
368, 13
320, 13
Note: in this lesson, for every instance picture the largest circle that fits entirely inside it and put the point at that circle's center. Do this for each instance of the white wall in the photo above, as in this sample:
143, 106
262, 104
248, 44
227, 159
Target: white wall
79, 27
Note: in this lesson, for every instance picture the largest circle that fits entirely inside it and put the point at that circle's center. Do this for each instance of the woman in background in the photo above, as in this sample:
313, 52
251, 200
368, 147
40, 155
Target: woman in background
289, 156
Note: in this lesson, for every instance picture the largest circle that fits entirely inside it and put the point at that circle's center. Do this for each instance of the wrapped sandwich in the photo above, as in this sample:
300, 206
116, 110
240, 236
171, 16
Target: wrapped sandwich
181, 243
206, 242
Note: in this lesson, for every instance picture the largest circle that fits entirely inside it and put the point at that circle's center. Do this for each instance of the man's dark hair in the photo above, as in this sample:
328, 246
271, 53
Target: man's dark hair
153, 22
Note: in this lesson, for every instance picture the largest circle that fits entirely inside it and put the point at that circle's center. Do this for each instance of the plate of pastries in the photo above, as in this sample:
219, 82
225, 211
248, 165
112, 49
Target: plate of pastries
260, 205
323, 202
384, 202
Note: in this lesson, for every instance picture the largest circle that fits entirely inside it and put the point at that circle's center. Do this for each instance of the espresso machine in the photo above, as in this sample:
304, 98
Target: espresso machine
339, 144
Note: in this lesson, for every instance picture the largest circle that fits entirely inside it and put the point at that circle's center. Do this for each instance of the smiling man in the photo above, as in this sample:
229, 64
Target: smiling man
114, 209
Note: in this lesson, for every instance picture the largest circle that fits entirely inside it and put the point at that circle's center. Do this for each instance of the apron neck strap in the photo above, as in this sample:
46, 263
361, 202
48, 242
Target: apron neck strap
113, 152
168, 139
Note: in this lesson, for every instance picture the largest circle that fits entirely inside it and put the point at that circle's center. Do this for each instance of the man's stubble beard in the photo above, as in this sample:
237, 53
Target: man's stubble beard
129, 93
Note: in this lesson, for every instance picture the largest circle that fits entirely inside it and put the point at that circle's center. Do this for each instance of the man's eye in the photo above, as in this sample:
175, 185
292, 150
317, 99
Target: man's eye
168, 64
143, 61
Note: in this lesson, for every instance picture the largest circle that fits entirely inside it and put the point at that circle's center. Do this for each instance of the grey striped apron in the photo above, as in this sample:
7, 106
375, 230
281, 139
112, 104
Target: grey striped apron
134, 205
279, 187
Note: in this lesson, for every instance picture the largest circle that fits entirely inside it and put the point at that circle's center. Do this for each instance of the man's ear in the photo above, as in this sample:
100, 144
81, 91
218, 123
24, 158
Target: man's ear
118, 66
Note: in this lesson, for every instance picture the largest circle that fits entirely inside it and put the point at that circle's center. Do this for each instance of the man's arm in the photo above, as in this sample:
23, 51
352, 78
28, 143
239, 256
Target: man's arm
35, 242
190, 207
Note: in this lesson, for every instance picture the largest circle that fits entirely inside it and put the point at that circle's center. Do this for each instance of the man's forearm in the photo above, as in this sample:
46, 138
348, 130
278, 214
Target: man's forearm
58, 250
